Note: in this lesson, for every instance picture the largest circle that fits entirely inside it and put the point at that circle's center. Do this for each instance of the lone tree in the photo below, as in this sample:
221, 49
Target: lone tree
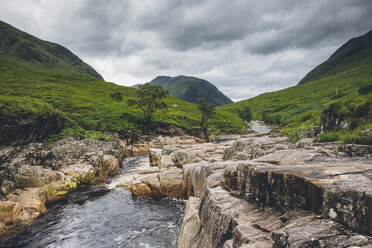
149, 100
207, 111
245, 114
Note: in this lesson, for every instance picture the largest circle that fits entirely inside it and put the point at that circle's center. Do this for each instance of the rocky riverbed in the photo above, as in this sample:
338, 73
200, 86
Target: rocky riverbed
252, 190
262, 191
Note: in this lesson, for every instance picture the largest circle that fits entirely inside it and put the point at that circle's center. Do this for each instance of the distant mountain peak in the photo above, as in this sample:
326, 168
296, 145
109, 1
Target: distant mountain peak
191, 88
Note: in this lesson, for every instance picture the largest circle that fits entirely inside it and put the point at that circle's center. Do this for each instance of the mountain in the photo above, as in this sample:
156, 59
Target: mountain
46, 90
38, 54
191, 89
347, 83
349, 49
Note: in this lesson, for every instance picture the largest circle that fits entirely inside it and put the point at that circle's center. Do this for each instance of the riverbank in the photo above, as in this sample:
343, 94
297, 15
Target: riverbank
260, 190
251, 190
39, 174
113, 218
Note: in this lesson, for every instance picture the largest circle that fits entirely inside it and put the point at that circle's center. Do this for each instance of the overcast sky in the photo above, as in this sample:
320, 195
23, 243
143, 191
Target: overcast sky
245, 47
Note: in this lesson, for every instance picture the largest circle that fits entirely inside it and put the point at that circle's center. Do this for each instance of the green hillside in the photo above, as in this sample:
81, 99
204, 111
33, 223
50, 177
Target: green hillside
37, 54
191, 89
86, 104
301, 106
346, 51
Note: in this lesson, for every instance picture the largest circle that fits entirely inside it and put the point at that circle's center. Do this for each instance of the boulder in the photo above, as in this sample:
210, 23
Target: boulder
34, 176
155, 157
305, 142
171, 183
192, 234
166, 161
167, 149
289, 156
164, 183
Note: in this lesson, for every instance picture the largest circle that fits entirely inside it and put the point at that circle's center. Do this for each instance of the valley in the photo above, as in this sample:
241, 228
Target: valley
80, 165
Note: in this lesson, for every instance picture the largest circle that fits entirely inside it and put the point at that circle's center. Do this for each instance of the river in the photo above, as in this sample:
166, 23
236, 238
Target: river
115, 219
259, 127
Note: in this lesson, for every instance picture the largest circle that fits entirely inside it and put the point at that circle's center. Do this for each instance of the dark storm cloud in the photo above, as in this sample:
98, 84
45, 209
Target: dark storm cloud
243, 47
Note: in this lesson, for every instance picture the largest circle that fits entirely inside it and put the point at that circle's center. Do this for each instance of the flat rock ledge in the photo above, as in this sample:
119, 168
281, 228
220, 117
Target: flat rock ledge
262, 191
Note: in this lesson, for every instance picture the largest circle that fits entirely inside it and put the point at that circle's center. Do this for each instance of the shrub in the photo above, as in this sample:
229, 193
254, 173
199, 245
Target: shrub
117, 96
271, 119
365, 89
362, 111
293, 133
328, 137
353, 138
245, 114
336, 109
306, 118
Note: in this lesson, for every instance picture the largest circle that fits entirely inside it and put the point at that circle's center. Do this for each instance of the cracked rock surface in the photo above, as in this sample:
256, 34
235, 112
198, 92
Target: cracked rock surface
262, 191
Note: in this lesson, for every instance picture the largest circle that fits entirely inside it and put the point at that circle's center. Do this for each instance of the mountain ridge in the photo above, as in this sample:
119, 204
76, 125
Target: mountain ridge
298, 108
348, 49
39, 54
191, 88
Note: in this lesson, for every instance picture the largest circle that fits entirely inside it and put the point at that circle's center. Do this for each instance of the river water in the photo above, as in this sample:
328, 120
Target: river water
115, 219
260, 128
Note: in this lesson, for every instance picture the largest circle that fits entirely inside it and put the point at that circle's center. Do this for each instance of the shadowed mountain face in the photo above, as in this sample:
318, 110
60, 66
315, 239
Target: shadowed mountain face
40, 55
191, 89
349, 49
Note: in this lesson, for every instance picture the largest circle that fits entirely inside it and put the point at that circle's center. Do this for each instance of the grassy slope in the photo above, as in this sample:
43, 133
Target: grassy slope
86, 101
303, 104
33, 52
347, 50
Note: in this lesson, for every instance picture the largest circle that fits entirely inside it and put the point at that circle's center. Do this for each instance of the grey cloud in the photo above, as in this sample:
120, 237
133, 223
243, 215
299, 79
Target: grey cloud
243, 47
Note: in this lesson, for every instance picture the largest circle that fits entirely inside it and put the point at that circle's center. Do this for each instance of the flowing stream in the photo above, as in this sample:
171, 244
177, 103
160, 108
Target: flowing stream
259, 127
115, 219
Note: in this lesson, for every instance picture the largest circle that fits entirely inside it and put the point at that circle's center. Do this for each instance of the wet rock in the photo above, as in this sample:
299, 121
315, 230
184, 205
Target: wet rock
38, 173
110, 165
81, 196
20, 209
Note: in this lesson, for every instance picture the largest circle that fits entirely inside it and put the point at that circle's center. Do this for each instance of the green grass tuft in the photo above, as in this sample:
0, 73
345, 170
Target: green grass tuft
329, 137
